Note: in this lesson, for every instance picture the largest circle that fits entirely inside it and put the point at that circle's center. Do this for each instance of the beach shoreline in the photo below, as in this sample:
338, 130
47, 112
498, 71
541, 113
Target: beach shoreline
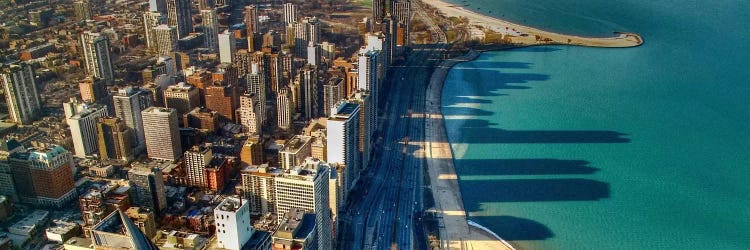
523, 36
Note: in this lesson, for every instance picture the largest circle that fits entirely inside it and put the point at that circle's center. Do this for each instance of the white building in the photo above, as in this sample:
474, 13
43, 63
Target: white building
343, 141
150, 21
284, 108
82, 119
256, 84
290, 13
233, 225
227, 47
21, 94
96, 56
162, 134
166, 39
196, 160
249, 113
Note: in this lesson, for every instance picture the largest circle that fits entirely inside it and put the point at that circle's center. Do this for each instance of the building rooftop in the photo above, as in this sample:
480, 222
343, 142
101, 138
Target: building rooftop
230, 204
295, 144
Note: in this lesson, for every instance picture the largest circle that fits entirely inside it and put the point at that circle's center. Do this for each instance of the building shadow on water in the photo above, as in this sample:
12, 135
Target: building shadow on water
515, 228
480, 131
534, 190
469, 167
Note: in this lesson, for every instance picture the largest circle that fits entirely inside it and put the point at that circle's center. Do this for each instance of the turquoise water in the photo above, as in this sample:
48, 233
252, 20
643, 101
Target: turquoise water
588, 148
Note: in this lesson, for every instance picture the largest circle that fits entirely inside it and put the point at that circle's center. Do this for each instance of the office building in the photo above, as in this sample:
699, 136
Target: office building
150, 21
333, 93
166, 39
343, 141
114, 139
96, 56
307, 81
196, 160
21, 95
81, 119
203, 119
7, 184
227, 47
378, 10
295, 151
290, 13
402, 14
82, 10
367, 124
44, 176
284, 108
256, 84
222, 99
233, 225
210, 24
182, 97
147, 187
252, 151
162, 133
129, 102
251, 19
259, 187
313, 54
178, 15
249, 113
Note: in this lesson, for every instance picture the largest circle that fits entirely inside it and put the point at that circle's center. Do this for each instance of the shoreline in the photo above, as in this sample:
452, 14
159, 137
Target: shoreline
455, 230
533, 36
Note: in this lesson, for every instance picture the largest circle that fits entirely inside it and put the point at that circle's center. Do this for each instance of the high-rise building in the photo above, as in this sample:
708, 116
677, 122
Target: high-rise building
378, 10
210, 28
157, 6
252, 151
7, 184
222, 99
44, 176
290, 13
402, 14
96, 56
83, 10
284, 108
182, 97
21, 94
166, 39
115, 139
308, 84
333, 93
147, 187
227, 47
233, 225
151, 20
259, 186
305, 32
367, 124
129, 102
162, 133
256, 84
307, 187
251, 19
343, 140
178, 15
368, 75
295, 151
81, 119
249, 113
313, 54
197, 159
144, 219
93, 89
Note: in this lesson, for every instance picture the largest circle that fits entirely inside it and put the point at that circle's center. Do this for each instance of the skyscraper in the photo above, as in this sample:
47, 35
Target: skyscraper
343, 140
294, 151
210, 28
227, 47
402, 13
162, 133
114, 138
166, 39
251, 19
178, 15
222, 98
378, 10
7, 184
196, 160
150, 21
21, 94
147, 187
82, 10
250, 113
96, 55
233, 225
368, 78
256, 84
44, 176
129, 102
367, 124
308, 83
182, 97
284, 108
157, 6
333, 93
290, 13
81, 119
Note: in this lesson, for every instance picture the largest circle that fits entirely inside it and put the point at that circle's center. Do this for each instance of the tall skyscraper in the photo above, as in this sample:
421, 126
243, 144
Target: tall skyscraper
129, 102
367, 124
178, 15
256, 84
368, 78
343, 140
233, 225
290, 13
147, 187
182, 97
83, 10
333, 93
308, 84
21, 94
251, 19
81, 119
305, 32
166, 39
313, 54
402, 13
96, 55
250, 113
7, 184
114, 138
284, 108
150, 21
378, 10
227, 47
162, 133
210, 28
44, 176
157, 6
196, 160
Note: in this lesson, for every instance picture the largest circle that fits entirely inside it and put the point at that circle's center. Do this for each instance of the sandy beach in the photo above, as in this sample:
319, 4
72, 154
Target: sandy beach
621, 40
